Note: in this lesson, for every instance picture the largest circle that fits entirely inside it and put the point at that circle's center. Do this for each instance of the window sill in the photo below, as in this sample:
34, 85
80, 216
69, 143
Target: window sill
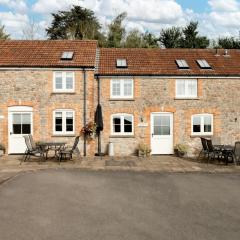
63, 92
64, 135
121, 136
121, 99
201, 136
182, 98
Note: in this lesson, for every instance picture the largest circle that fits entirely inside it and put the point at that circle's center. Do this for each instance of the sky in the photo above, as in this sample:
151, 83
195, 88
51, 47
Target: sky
216, 17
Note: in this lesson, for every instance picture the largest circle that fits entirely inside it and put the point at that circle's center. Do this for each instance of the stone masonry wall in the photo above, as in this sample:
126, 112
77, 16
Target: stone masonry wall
219, 97
35, 88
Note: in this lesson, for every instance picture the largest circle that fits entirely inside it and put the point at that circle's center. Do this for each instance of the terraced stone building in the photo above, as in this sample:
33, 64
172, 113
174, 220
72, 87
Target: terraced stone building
160, 97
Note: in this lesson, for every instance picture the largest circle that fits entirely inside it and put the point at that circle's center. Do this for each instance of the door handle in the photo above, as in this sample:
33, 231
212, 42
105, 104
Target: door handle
11, 133
152, 134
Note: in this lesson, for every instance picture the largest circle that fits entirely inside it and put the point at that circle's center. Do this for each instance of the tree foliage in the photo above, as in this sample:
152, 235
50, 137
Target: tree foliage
136, 39
77, 23
116, 31
3, 34
228, 43
186, 37
171, 37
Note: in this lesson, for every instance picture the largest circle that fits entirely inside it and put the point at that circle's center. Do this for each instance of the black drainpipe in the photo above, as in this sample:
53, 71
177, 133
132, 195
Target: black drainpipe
84, 109
99, 135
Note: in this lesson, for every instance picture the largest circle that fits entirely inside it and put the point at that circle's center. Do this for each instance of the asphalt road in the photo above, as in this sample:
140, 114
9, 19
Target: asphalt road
88, 205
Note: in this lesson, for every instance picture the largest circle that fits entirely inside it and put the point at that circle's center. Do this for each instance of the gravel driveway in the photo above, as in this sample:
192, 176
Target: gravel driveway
111, 205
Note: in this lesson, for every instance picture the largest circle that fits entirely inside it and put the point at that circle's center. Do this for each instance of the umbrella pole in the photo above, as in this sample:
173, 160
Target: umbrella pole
99, 144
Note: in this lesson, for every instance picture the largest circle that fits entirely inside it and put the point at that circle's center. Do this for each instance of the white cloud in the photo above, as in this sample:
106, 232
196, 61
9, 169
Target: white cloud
18, 6
224, 5
14, 22
50, 6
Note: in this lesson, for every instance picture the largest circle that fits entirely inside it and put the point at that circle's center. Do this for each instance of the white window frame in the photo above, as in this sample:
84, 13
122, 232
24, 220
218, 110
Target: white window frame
122, 133
121, 96
202, 133
64, 82
186, 95
64, 132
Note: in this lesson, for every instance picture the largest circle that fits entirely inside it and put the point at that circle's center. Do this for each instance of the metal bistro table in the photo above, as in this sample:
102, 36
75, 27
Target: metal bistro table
48, 145
227, 151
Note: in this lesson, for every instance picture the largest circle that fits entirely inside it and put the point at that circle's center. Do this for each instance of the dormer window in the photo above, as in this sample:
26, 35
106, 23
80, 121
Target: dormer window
67, 56
121, 63
182, 64
203, 64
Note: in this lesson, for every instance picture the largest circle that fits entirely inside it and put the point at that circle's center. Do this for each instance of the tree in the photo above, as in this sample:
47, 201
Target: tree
116, 31
134, 39
187, 37
228, 43
171, 37
31, 31
3, 34
77, 23
150, 40
190, 38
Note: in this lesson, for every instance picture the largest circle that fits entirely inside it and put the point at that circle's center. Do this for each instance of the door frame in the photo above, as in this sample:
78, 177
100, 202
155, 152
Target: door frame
171, 128
17, 109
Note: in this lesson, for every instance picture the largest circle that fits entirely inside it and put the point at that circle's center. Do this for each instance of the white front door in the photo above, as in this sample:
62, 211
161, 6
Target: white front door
19, 124
162, 133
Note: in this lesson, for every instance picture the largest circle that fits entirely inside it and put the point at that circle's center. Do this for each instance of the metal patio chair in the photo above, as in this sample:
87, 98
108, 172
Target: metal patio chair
68, 152
236, 153
31, 150
204, 151
213, 151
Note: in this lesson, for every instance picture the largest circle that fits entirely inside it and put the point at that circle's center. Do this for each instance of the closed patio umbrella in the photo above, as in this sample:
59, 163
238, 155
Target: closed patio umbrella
99, 122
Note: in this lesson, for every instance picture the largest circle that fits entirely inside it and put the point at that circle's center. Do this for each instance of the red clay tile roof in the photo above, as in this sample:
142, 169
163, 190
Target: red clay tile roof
162, 62
46, 53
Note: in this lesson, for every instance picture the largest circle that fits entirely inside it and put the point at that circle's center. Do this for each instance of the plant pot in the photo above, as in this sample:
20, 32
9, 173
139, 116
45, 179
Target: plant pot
2, 152
179, 153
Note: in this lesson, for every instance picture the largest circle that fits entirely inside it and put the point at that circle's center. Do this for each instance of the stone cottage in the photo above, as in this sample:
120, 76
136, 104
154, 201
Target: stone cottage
46, 89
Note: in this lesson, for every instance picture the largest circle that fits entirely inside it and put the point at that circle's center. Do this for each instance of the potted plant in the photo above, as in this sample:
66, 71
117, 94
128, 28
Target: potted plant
180, 149
89, 131
2, 149
143, 150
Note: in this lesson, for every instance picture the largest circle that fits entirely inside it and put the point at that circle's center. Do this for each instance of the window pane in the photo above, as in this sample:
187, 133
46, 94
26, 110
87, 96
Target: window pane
117, 124
192, 87
165, 121
58, 122
116, 91
207, 124
69, 121
127, 128
17, 118
127, 124
197, 124
165, 130
26, 118
69, 127
58, 81
116, 120
157, 120
180, 85
17, 129
128, 87
26, 128
69, 80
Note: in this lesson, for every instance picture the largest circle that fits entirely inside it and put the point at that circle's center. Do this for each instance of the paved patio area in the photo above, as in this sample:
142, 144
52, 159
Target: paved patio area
10, 165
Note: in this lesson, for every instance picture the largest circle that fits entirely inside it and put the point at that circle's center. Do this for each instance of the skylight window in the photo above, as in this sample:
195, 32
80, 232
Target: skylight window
121, 63
182, 64
203, 64
67, 56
